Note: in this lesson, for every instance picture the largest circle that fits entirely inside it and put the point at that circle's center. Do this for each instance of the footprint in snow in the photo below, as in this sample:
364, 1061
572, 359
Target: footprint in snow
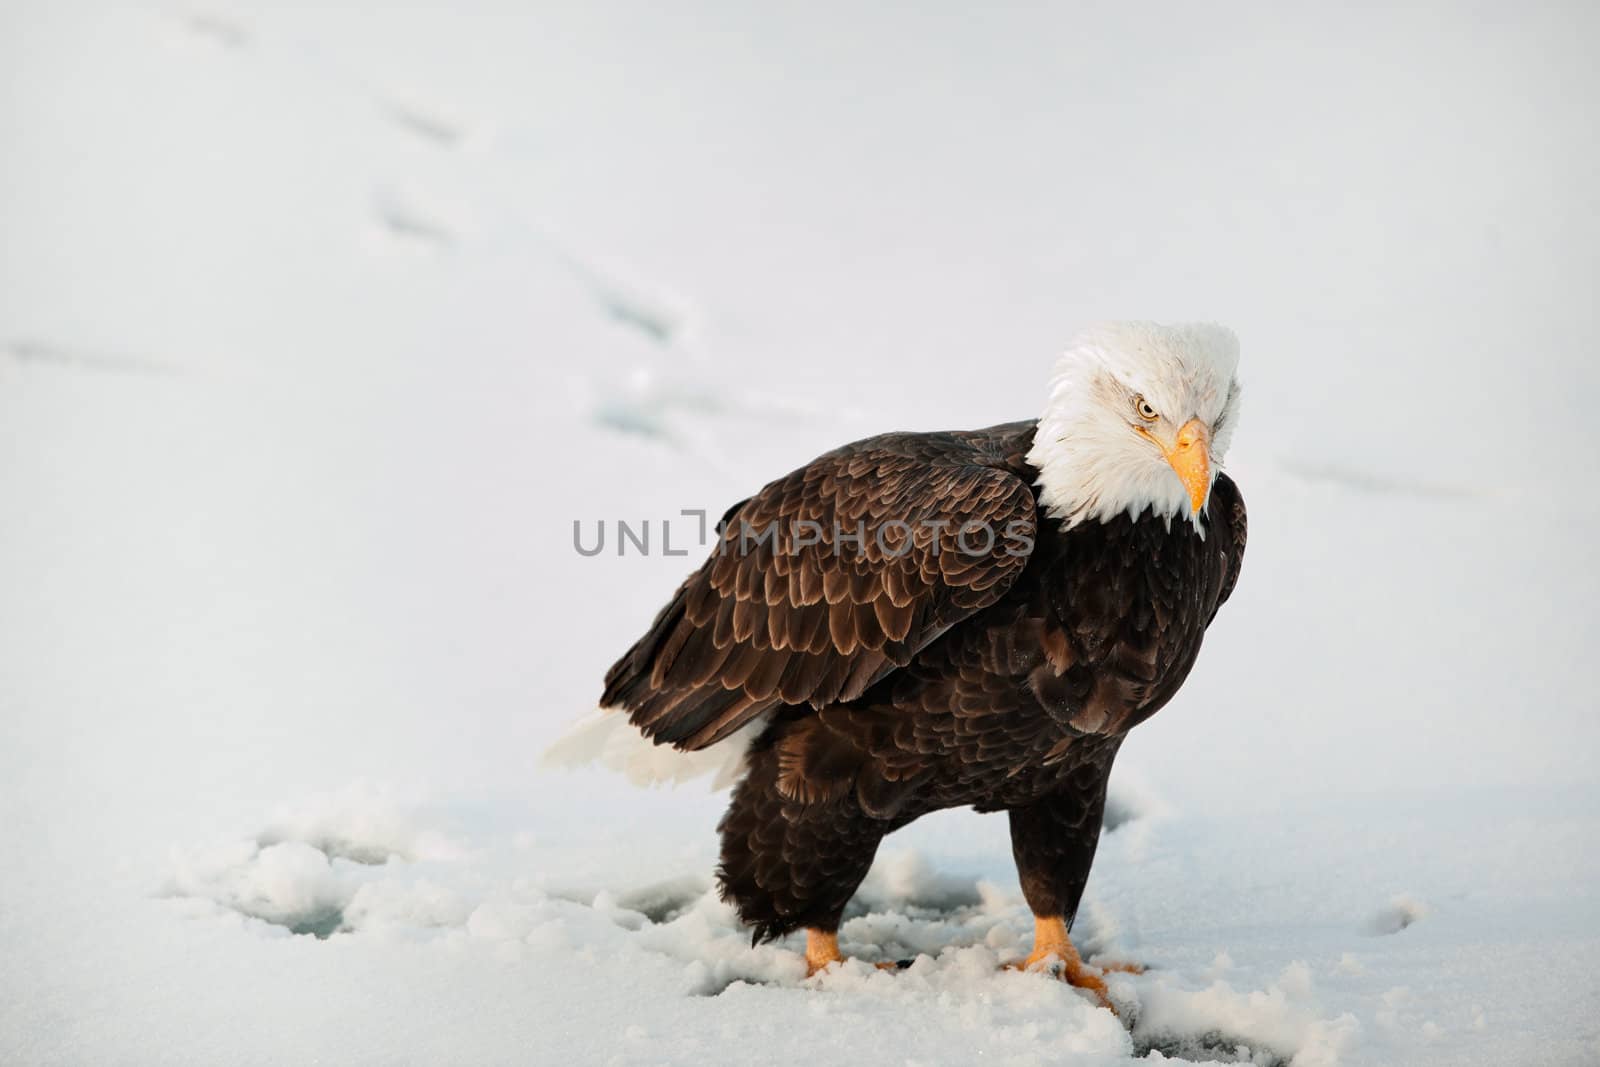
1398, 914
352, 860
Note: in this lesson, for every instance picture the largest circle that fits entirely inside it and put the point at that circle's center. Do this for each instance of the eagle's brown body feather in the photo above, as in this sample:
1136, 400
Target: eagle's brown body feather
901, 679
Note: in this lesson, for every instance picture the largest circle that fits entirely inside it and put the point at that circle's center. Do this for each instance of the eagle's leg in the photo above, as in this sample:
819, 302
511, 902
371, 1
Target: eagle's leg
1054, 841
788, 864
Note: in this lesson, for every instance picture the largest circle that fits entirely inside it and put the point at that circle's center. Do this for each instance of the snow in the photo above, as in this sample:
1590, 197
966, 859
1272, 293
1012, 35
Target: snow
320, 325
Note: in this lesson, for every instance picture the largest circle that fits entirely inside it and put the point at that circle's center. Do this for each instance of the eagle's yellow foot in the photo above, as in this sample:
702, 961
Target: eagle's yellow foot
1121, 966
822, 948
1050, 942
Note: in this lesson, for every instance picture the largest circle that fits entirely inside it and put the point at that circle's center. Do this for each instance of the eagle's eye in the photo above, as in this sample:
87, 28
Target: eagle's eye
1145, 411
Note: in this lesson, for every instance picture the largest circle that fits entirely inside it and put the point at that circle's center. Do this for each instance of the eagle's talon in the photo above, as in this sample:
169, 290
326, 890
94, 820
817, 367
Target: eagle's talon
1054, 954
1078, 978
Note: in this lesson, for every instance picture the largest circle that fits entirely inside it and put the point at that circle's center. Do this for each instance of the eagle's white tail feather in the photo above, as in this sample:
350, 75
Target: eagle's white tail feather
606, 737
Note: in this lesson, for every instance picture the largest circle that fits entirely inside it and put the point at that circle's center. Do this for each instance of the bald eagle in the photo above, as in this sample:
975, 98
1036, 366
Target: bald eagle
920, 621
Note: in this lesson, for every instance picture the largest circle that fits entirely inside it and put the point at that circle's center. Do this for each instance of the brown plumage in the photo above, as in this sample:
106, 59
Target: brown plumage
917, 670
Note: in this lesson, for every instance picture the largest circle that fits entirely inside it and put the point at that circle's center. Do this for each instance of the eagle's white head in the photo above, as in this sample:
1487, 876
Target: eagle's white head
1139, 417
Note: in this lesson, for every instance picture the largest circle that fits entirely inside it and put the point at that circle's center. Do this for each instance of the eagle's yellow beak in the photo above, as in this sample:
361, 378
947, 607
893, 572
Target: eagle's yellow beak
1190, 456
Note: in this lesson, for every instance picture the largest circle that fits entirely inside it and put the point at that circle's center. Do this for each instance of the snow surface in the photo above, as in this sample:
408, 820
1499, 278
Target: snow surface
321, 324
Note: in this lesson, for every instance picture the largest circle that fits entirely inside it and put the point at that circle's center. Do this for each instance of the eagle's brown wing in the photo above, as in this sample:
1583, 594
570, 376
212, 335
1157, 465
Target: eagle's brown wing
1228, 504
831, 578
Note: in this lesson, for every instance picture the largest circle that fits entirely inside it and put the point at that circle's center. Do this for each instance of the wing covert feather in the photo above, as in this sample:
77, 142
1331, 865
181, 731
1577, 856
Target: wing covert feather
830, 578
